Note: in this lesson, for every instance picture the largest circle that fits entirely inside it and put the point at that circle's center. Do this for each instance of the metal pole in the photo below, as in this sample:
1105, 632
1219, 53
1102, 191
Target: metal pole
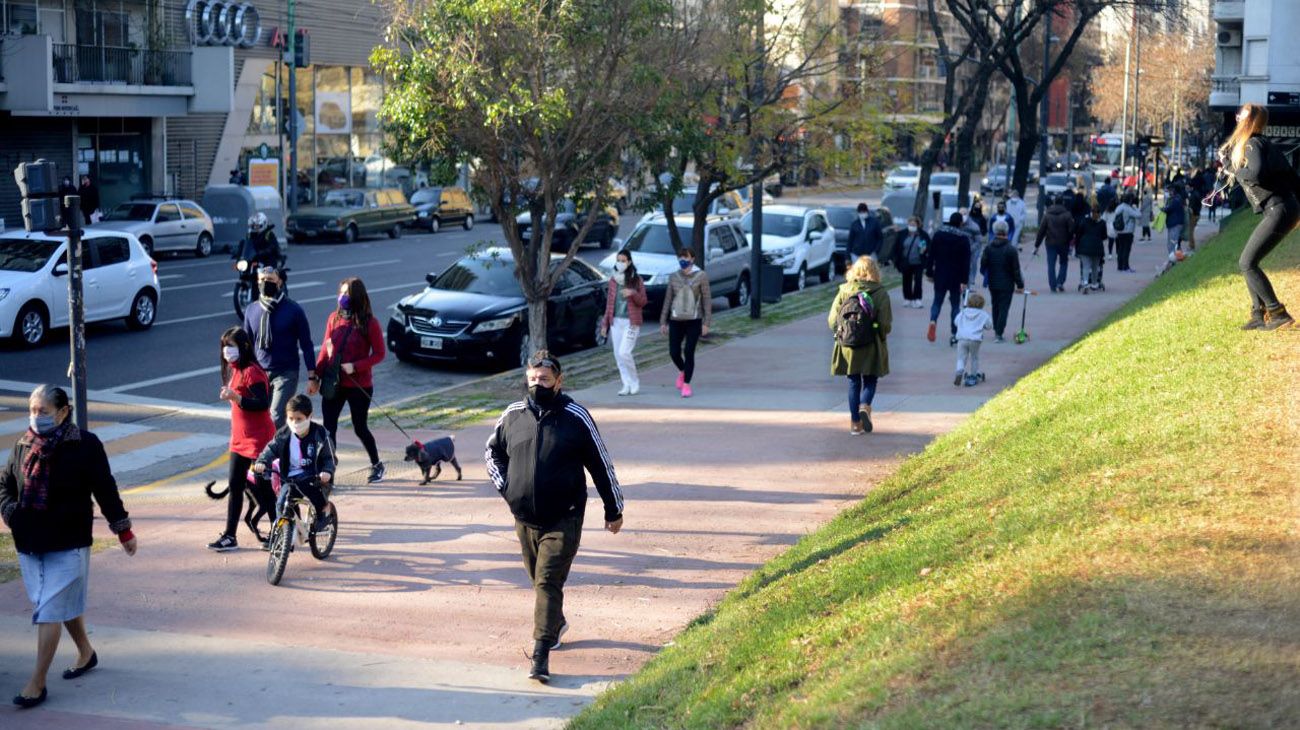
1069, 124
1123, 114
290, 64
1042, 113
756, 211
1137, 92
76, 313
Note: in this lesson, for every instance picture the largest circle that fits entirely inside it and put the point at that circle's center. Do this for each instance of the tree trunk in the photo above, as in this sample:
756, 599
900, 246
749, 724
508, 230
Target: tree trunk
966, 140
536, 327
1027, 141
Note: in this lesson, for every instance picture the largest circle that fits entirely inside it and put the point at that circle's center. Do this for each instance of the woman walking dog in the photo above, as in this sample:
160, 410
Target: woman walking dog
45, 499
1265, 177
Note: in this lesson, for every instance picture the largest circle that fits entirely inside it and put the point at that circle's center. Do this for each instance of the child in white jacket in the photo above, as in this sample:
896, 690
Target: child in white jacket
972, 321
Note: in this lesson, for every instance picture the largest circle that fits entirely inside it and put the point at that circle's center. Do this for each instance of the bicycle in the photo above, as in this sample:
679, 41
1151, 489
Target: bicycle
290, 529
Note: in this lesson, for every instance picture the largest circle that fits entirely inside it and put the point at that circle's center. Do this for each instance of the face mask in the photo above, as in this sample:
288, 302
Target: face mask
911, 229
270, 289
231, 353
543, 397
684, 263
300, 428
862, 216
344, 301
42, 424
619, 267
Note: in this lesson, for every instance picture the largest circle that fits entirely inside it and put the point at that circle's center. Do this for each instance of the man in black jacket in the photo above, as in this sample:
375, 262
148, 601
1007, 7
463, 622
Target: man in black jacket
865, 235
949, 267
536, 458
1001, 264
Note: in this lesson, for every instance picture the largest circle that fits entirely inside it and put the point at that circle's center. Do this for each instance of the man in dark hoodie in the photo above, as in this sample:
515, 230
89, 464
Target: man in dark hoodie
1001, 264
865, 235
1057, 230
949, 267
536, 458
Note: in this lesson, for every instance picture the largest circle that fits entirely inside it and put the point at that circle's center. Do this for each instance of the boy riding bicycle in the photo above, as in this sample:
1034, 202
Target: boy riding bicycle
306, 456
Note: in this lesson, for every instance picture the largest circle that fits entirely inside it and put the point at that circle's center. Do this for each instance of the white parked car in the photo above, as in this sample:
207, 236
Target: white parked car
120, 282
944, 182
902, 177
798, 239
726, 251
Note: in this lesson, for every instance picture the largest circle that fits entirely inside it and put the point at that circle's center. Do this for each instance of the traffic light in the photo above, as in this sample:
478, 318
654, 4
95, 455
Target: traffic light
38, 183
301, 49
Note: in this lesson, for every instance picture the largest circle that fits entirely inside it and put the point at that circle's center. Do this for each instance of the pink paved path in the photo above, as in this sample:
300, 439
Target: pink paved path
422, 615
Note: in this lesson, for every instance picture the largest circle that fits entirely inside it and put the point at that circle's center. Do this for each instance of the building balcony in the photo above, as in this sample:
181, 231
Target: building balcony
74, 64
1232, 12
1225, 91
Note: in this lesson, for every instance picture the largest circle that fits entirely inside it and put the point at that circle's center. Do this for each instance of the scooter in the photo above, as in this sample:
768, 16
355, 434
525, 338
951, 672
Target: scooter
1023, 335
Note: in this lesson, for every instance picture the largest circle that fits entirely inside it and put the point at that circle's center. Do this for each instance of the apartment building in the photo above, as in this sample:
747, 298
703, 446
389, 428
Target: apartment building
1255, 61
151, 96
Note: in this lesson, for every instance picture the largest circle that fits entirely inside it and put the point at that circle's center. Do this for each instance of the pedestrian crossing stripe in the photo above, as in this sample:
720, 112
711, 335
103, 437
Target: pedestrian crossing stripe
131, 447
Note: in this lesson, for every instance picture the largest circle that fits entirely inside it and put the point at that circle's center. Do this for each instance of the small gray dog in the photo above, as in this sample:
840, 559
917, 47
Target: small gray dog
431, 455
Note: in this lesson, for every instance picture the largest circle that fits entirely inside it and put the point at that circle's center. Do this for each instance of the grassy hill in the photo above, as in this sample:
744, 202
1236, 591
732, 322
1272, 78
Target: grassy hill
1110, 542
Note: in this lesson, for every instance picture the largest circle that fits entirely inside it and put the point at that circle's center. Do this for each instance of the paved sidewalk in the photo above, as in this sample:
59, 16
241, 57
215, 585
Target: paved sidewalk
422, 616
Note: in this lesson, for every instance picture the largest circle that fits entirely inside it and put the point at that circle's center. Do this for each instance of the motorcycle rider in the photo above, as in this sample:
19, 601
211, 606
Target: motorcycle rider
261, 246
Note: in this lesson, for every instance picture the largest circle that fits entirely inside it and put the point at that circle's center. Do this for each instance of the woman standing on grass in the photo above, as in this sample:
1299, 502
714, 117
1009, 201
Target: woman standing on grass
687, 311
623, 305
45, 500
863, 360
354, 343
1266, 178
248, 389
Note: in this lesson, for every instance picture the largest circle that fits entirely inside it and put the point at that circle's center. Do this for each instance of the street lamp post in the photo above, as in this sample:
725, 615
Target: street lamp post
292, 65
1042, 112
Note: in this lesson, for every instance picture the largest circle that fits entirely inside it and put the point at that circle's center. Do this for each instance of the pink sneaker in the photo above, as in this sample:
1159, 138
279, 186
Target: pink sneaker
681, 380
686, 390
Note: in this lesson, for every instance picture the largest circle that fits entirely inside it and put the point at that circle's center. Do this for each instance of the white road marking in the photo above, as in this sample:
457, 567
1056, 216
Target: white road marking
165, 277
229, 314
111, 432
164, 379
296, 285
150, 455
179, 407
229, 282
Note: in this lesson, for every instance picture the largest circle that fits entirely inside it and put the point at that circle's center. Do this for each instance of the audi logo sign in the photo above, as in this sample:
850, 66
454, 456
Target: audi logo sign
217, 23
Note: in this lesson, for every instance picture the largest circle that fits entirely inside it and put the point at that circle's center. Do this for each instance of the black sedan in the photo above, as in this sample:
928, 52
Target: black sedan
569, 220
474, 311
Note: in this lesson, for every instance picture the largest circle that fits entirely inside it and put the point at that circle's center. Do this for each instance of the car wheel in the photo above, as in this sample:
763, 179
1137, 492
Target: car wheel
204, 249
147, 242
143, 311
396, 231
801, 279
826, 272
31, 326
350, 233
434, 225
469, 222
401, 353
740, 297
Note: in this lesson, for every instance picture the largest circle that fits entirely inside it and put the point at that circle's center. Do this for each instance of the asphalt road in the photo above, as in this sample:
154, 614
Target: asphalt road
177, 359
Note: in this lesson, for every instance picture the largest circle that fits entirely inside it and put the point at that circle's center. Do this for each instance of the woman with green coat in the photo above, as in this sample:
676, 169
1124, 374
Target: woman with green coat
865, 362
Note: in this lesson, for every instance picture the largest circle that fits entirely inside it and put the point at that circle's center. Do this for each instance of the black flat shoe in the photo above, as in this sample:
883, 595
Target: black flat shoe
74, 672
29, 702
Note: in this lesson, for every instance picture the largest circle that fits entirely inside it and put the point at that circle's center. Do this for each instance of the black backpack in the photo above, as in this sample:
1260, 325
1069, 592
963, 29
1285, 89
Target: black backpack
1118, 222
857, 321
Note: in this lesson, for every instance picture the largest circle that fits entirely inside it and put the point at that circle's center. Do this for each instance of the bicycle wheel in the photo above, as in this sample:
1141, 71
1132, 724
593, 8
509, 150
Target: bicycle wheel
281, 542
322, 542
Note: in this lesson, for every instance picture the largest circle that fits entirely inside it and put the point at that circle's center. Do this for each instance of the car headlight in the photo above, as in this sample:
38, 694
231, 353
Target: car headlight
333, 223
985, 181
496, 325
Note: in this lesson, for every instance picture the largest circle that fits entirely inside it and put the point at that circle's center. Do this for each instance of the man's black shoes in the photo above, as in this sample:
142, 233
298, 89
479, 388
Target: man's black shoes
541, 670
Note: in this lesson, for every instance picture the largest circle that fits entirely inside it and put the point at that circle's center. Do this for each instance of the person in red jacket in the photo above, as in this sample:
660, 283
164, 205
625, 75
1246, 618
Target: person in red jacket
248, 389
623, 305
355, 343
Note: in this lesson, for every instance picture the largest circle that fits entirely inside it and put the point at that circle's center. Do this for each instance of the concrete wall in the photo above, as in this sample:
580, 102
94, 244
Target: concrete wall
29, 71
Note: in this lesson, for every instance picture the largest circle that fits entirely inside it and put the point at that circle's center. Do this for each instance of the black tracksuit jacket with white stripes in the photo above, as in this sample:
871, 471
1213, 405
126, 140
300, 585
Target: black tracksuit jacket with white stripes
536, 460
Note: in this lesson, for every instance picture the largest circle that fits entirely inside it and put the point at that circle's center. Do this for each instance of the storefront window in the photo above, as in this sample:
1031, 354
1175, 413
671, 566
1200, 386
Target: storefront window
265, 117
367, 95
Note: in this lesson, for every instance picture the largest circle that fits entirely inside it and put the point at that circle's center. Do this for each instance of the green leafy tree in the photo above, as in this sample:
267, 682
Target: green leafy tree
543, 95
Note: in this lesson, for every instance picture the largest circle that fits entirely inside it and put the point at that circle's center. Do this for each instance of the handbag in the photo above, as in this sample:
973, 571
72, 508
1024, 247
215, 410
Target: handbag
329, 379
1159, 223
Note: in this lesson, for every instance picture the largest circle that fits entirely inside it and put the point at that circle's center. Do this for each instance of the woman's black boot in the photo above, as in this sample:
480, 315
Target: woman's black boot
1278, 318
1256, 321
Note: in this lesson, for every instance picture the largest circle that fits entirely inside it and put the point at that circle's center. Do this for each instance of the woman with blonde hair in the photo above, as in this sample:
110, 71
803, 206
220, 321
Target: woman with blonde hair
1267, 179
860, 319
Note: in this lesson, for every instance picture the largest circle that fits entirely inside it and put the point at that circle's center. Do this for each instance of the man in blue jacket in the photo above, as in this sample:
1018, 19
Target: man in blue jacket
279, 330
949, 266
865, 235
1175, 217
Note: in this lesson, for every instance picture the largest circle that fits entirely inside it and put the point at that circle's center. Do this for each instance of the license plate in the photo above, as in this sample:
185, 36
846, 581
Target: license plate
431, 343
